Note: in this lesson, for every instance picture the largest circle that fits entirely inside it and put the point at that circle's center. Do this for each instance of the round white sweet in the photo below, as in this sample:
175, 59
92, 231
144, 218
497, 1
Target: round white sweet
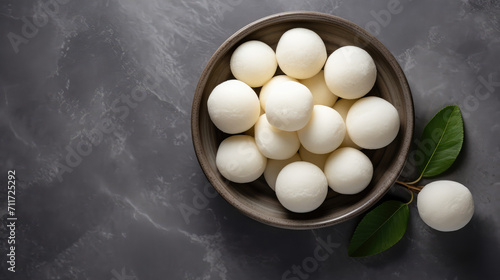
273, 168
270, 86
254, 63
275, 143
233, 106
348, 171
445, 205
316, 159
251, 130
321, 94
372, 122
301, 53
301, 187
324, 132
350, 72
239, 160
290, 106
342, 106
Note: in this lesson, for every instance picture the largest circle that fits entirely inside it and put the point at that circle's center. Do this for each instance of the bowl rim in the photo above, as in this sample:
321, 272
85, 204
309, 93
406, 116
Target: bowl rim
399, 161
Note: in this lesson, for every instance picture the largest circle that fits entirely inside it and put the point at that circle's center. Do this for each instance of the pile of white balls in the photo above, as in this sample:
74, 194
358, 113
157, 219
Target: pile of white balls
296, 131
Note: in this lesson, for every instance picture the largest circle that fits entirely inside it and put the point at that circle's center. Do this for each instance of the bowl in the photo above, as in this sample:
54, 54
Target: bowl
256, 199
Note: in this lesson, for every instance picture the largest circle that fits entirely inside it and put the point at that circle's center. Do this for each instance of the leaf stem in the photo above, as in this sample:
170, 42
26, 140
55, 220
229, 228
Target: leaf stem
417, 189
403, 184
411, 199
409, 186
416, 181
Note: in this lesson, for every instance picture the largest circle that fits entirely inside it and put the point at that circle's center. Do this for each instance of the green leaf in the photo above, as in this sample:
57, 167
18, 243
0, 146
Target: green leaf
381, 228
441, 141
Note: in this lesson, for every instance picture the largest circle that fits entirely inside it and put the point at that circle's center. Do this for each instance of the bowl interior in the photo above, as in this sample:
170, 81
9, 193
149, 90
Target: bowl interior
256, 199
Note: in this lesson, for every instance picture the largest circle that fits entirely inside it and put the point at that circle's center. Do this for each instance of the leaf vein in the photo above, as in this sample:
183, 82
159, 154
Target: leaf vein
439, 142
378, 228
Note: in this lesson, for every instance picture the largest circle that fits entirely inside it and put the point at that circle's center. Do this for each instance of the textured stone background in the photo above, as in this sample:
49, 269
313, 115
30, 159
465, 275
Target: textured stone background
104, 170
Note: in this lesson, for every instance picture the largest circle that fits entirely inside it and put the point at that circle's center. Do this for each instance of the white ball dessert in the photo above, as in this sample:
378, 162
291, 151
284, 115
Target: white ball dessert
316, 159
445, 205
348, 171
350, 72
251, 131
270, 86
253, 63
233, 106
274, 143
321, 94
290, 106
301, 187
239, 160
273, 168
342, 106
372, 122
324, 132
301, 53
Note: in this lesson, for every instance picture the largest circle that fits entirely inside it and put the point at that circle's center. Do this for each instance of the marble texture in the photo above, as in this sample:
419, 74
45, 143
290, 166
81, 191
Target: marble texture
95, 118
